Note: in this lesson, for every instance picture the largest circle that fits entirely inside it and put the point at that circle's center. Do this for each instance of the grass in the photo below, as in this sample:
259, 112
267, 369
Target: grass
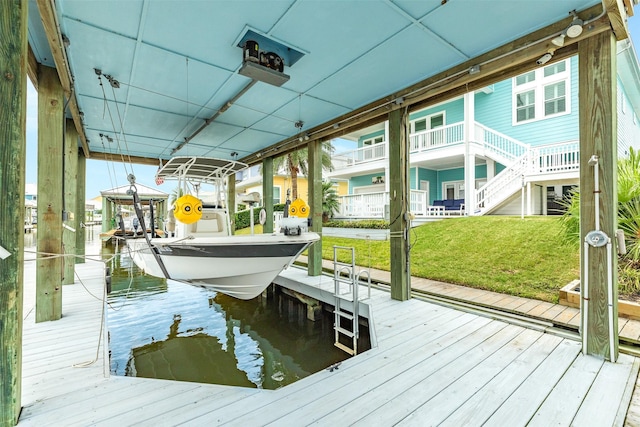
503, 254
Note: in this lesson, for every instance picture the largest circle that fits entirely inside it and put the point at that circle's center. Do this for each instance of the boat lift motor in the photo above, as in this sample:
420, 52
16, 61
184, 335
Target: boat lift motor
298, 221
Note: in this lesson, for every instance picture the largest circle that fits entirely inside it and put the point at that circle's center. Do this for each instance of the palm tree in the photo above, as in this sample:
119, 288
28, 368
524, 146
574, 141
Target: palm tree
298, 162
330, 201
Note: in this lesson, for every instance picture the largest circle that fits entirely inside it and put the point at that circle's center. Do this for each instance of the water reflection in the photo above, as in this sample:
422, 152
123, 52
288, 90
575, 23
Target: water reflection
166, 329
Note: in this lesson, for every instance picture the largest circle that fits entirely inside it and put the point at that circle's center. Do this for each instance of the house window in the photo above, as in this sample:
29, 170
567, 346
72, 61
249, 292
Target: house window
427, 123
373, 141
276, 194
541, 93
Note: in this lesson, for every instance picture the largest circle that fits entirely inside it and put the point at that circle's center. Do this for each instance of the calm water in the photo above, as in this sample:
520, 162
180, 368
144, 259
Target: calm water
166, 329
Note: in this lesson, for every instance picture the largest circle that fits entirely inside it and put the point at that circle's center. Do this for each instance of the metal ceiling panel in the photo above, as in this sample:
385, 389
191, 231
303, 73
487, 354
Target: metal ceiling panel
177, 61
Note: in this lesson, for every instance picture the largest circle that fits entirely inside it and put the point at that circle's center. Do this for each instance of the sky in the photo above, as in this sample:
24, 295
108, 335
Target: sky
103, 175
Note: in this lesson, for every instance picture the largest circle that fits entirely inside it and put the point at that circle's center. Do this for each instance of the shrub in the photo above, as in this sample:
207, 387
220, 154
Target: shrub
243, 219
377, 224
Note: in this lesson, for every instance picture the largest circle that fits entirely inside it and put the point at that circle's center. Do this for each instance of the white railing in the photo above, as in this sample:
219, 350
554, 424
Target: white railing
499, 143
360, 155
371, 205
552, 158
561, 157
418, 202
502, 185
364, 205
502, 145
436, 138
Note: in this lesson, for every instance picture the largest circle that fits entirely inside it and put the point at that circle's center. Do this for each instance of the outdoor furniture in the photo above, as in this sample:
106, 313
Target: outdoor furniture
446, 207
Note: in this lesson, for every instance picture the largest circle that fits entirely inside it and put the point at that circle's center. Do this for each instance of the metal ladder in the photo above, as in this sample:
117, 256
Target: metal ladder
348, 313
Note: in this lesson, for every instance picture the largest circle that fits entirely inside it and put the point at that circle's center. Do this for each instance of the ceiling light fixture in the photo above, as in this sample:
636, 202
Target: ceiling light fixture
575, 28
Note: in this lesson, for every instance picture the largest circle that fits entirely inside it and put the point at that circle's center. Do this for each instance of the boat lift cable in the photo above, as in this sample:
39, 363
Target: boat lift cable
140, 215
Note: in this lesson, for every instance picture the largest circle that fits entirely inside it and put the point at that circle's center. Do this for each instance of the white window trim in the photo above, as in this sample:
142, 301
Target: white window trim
427, 119
373, 141
279, 187
538, 84
456, 189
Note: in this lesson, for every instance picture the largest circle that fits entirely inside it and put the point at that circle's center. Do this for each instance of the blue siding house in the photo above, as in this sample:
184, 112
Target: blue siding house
511, 148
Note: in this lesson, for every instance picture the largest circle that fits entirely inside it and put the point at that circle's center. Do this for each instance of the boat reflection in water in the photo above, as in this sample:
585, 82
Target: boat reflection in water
170, 330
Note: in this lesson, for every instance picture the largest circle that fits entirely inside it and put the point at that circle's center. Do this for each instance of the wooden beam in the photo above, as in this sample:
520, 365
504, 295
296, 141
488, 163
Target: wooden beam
70, 184
267, 193
398, 198
122, 158
598, 136
617, 13
510, 59
13, 113
51, 26
314, 148
50, 176
32, 68
80, 207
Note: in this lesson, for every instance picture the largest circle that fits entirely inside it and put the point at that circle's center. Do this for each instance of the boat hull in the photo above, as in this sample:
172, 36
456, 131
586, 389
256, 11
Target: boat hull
239, 266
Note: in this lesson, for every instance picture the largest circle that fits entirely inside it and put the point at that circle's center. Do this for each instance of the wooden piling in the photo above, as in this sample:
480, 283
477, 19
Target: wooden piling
267, 193
50, 176
314, 148
598, 136
13, 107
80, 207
398, 198
70, 201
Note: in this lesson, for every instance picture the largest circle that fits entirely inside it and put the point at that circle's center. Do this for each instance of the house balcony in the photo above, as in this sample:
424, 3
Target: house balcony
429, 147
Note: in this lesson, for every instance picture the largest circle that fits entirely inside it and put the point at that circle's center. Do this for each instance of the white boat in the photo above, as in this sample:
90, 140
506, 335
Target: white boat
204, 253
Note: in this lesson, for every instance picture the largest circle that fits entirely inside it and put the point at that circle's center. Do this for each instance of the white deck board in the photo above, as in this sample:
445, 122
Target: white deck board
431, 365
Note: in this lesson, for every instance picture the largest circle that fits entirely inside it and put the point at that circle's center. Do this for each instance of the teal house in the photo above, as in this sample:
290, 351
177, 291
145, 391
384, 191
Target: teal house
511, 148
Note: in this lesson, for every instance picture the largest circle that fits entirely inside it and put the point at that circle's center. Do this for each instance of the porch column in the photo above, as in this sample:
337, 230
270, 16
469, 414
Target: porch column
267, 193
491, 169
231, 203
598, 137
70, 184
314, 148
529, 199
50, 177
387, 180
81, 202
13, 107
399, 200
469, 157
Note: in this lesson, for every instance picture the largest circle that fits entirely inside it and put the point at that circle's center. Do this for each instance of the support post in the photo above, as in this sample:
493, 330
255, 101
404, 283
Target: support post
267, 193
598, 136
70, 185
398, 197
231, 203
50, 176
314, 148
13, 107
80, 207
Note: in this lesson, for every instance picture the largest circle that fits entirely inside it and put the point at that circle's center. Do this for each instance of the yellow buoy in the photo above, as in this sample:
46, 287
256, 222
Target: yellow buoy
188, 209
299, 209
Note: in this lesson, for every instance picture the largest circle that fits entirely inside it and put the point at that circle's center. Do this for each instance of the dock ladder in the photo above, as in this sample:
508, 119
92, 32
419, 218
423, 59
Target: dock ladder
346, 314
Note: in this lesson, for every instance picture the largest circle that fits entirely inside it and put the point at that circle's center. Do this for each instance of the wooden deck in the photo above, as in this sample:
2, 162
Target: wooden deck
430, 365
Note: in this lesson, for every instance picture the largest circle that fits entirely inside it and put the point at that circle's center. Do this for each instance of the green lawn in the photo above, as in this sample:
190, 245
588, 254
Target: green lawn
504, 254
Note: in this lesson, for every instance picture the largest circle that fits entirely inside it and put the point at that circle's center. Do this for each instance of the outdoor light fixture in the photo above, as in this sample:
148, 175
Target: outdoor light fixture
545, 58
575, 28
559, 41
